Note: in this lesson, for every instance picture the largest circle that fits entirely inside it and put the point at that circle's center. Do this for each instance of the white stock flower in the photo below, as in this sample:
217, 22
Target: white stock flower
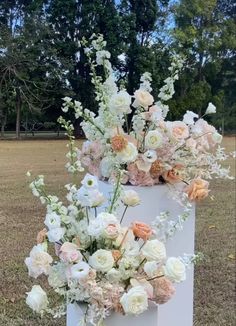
150, 268
175, 270
107, 166
130, 198
38, 262
52, 220
128, 154
210, 109
120, 102
57, 275
101, 56
89, 181
143, 99
154, 250
189, 118
56, 234
78, 271
153, 139
95, 228
102, 260
135, 301
37, 299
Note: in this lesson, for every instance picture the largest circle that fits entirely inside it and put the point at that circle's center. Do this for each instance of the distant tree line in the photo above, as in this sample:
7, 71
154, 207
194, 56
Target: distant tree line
41, 61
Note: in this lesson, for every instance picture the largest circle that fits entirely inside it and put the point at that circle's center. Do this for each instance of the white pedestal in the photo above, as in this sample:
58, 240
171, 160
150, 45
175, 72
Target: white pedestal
179, 310
149, 318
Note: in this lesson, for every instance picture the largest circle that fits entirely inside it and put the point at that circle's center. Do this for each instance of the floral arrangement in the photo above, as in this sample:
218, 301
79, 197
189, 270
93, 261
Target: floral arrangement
89, 255
131, 131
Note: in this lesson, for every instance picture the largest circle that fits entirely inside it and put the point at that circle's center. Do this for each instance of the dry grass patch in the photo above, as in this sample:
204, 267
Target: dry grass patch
21, 217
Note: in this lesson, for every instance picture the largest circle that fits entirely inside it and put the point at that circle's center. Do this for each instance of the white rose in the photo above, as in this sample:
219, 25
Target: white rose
154, 250
37, 299
175, 270
210, 109
142, 98
189, 117
150, 268
130, 198
111, 231
107, 218
153, 139
113, 275
55, 235
135, 301
38, 262
120, 102
128, 154
52, 220
78, 271
102, 260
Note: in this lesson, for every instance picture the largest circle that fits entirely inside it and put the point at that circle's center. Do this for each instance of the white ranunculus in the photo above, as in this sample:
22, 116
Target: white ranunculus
153, 139
52, 220
135, 301
130, 198
175, 270
78, 271
143, 99
154, 250
189, 118
150, 268
37, 299
39, 261
128, 154
120, 102
55, 235
102, 260
89, 181
210, 109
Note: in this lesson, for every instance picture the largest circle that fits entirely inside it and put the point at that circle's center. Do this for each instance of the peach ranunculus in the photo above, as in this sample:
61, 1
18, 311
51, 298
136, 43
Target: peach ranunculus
156, 169
118, 143
142, 230
173, 175
163, 290
178, 130
42, 236
197, 189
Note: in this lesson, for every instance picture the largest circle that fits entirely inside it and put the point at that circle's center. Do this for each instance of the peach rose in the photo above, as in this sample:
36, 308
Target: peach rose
163, 290
197, 189
42, 236
69, 252
142, 98
178, 129
118, 143
141, 230
173, 175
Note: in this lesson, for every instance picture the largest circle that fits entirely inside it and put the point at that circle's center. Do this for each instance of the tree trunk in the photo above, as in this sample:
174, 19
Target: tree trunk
18, 113
2, 130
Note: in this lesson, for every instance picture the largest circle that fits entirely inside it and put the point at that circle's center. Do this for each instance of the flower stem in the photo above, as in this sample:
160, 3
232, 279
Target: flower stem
126, 207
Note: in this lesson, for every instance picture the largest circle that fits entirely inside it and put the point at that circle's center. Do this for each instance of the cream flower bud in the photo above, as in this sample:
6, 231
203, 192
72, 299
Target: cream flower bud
210, 109
130, 198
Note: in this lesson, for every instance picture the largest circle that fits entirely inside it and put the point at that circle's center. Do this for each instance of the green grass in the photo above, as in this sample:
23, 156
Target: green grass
21, 217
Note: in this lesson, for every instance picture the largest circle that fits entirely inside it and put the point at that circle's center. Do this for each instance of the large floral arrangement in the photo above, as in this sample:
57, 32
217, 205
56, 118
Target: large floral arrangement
131, 131
89, 255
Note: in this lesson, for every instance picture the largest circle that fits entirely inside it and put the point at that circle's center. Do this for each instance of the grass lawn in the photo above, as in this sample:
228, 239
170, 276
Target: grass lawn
22, 216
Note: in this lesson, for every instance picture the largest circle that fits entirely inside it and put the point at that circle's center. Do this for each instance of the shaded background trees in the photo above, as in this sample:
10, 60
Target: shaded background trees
41, 62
